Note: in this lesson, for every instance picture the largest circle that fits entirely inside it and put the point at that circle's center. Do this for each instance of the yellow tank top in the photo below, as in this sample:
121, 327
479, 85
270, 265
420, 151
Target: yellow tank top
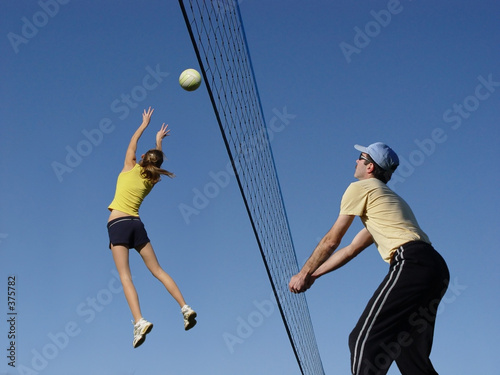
388, 218
131, 189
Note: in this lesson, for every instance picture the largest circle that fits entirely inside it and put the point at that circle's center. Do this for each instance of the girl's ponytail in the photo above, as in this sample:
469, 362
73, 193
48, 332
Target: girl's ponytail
151, 166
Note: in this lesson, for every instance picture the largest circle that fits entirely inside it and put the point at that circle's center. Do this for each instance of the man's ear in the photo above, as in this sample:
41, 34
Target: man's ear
370, 168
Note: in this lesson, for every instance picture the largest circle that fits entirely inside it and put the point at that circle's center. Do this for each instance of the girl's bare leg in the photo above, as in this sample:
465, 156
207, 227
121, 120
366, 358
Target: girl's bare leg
120, 256
149, 257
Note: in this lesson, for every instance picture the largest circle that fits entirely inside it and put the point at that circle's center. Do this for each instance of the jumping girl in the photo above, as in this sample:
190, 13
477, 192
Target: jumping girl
127, 231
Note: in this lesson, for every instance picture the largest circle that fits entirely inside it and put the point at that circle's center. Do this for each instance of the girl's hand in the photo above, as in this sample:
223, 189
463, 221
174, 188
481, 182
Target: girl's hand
146, 116
162, 133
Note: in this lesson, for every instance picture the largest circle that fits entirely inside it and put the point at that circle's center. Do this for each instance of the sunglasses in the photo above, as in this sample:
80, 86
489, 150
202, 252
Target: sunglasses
362, 157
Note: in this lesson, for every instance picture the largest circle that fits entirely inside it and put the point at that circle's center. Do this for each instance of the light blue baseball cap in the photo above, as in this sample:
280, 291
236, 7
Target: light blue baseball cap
381, 154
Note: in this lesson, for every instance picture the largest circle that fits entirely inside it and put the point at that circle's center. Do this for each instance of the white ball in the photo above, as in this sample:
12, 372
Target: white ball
190, 80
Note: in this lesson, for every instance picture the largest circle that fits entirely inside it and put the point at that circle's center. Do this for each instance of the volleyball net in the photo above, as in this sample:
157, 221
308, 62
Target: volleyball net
218, 37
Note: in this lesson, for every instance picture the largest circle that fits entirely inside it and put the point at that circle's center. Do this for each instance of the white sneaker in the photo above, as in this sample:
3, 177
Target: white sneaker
141, 329
189, 317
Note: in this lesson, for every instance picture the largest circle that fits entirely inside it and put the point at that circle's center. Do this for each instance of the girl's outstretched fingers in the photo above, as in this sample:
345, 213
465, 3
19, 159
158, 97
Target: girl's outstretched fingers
146, 115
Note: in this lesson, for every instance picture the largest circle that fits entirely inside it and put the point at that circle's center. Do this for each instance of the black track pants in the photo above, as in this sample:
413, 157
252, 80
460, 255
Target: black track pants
398, 322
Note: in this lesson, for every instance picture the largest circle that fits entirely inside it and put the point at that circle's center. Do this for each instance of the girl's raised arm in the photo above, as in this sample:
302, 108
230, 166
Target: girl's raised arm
162, 133
130, 156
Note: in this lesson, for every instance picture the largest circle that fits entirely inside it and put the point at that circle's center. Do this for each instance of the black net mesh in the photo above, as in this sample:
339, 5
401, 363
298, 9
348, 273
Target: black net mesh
218, 38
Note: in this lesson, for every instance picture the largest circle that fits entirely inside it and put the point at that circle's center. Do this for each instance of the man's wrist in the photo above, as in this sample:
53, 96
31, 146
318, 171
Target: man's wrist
304, 274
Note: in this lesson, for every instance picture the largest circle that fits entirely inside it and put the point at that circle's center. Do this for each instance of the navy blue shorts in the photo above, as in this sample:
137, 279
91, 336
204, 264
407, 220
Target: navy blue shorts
128, 231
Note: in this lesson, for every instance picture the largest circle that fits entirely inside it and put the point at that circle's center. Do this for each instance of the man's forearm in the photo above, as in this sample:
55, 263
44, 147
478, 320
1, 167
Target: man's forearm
327, 245
322, 252
341, 257
337, 260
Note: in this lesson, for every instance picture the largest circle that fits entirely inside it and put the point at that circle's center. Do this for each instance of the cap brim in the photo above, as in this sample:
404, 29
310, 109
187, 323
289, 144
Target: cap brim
361, 148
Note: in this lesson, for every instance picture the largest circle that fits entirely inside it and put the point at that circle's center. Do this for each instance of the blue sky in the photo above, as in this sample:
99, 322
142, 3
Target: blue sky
420, 76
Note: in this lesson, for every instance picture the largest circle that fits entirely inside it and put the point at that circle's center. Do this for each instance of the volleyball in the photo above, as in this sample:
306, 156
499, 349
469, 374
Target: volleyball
190, 80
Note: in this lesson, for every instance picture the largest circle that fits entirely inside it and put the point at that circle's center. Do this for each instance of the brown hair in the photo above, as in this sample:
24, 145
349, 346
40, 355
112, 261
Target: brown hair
378, 172
151, 166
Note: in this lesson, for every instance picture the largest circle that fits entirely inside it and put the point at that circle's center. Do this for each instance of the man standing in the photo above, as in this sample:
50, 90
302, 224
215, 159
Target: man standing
398, 322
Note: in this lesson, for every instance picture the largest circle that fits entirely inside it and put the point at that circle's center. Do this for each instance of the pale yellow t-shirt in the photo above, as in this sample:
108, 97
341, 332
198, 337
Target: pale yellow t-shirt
131, 189
387, 217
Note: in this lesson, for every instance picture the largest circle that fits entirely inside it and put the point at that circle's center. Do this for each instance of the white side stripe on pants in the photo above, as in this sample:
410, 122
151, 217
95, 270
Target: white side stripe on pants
356, 364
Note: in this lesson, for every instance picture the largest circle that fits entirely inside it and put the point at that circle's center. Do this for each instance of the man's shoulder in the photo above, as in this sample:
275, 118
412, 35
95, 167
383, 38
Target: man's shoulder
368, 183
356, 188
367, 186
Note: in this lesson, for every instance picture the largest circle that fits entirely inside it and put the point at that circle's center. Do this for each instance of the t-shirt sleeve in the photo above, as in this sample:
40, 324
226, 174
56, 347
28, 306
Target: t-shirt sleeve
354, 200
